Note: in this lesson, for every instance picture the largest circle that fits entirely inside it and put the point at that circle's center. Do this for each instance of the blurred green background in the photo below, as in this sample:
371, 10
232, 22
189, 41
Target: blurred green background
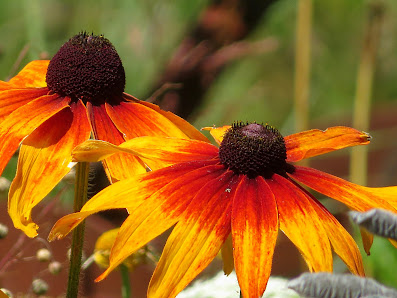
254, 86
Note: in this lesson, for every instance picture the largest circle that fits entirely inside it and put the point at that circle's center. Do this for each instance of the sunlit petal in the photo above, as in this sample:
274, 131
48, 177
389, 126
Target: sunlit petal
301, 224
12, 99
24, 121
118, 166
159, 212
168, 151
195, 240
182, 124
43, 161
315, 142
139, 188
217, 132
32, 75
357, 197
254, 233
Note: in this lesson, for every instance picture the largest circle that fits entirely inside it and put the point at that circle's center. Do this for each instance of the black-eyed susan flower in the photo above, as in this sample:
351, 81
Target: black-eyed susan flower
248, 188
52, 106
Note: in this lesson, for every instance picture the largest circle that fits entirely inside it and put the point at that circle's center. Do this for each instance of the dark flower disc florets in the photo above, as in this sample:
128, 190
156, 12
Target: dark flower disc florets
86, 67
254, 150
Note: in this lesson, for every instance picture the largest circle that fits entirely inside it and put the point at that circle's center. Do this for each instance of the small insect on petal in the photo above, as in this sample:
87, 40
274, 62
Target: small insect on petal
327, 285
377, 221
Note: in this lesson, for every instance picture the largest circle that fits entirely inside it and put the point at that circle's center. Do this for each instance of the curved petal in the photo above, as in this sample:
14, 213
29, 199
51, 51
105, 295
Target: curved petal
182, 124
12, 99
301, 224
368, 239
195, 240
217, 132
119, 166
167, 150
136, 120
315, 142
43, 161
159, 212
118, 195
357, 197
33, 75
342, 243
254, 233
23, 121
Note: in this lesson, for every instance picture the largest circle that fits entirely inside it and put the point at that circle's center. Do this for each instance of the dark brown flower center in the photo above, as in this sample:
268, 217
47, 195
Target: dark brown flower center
86, 67
254, 150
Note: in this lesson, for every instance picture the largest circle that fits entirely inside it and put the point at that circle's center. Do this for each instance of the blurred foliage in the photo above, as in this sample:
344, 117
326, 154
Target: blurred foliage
257, 87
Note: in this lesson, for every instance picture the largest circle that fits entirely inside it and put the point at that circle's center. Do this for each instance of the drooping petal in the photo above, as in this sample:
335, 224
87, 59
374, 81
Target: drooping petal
160, 150
342, 243
315, 142
357, 197
24, 121
33, 75
160, 211
217, 132
368, 239
10, 100
195, 240
182, 124
121, 165
227, 255
129, 193
254, 233
43, 161
301, 224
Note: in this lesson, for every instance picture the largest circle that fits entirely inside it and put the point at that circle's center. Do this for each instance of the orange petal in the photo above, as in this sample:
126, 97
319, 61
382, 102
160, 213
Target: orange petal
118, 195
357, 197
315, 142
10, 100
217, 132
368, 239
119, 166
32, 75
134, 119
195, 240
227, 255
182, 124
24, 120
159, 212
168, 151
254, 233
43, 161
301, 224
342, 243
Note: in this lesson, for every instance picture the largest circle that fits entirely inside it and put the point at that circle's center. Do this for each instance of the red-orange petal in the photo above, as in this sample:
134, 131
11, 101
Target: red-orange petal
159, 212
118, 195
357, 197
196, 239
24, 121
182, 124
43, 161
11, 100
119, 166
301, 224
33, 75
254, 233
315, 142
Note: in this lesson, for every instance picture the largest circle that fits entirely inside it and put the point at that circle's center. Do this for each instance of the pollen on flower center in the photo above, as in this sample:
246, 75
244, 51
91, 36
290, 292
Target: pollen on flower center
254, 150
86, 67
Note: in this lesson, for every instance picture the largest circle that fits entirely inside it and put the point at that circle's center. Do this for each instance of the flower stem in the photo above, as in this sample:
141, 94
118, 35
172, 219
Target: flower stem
80, 197
125, 287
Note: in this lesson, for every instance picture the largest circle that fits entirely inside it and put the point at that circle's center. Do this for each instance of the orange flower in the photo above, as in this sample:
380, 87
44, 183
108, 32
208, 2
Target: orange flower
247, 188
52, 106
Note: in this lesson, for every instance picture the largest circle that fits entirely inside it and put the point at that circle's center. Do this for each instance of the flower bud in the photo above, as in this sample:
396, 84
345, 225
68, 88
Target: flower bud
3, 231
43, 255
55, 267
39, 286
7, 292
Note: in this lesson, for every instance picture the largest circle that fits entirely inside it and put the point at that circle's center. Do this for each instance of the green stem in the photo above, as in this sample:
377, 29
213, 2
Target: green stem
125, 287
80, 197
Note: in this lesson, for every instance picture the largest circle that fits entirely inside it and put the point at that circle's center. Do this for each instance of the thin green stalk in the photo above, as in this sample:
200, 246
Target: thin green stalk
80, 197
362, 103
125, 279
